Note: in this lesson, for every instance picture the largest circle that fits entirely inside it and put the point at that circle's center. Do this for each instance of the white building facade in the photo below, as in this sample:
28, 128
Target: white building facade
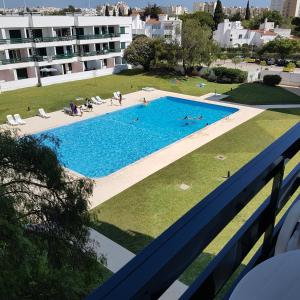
43, 50
233, 34
165, 27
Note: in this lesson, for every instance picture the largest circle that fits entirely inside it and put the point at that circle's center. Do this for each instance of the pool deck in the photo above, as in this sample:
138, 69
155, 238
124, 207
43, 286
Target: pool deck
111, 185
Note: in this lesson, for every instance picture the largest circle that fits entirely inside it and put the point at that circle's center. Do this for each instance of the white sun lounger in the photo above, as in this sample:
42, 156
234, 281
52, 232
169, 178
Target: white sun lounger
19, 119
95, 101
148, 89
11, 121
99, 99
116, 95
43, 114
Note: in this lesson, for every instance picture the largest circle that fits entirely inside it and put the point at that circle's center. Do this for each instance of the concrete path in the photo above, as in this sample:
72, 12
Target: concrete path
280, 106
117, 257
292, 89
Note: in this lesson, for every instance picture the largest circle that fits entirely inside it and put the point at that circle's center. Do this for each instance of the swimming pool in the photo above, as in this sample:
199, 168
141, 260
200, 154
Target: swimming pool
102, 145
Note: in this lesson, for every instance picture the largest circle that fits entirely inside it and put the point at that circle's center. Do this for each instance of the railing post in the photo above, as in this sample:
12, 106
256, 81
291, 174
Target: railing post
274, 200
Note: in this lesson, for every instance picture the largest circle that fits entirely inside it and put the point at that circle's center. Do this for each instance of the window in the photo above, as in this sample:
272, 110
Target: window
111, 29
98, 48
122, 30
15, 34
111, 45
41, 52
22, 73
240, 36
79, 31
59, 50
37, 33
123, 45
97, 30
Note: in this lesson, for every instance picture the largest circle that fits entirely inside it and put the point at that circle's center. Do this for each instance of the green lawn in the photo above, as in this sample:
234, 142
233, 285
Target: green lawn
55, 97
138, 215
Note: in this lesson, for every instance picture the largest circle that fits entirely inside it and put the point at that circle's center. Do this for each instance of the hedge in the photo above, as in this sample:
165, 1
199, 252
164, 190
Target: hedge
272, 80
228, 75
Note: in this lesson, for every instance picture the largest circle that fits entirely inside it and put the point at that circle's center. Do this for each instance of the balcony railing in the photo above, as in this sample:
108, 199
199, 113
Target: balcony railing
54, 57
16, 60
151, 272
101, 52
97, 36
15, 41
54, 39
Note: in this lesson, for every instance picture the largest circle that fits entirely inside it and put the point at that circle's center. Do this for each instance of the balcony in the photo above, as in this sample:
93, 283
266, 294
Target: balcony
54, 57
15, 41
102, 52
97, 36
151, 273
54, 39
16, 60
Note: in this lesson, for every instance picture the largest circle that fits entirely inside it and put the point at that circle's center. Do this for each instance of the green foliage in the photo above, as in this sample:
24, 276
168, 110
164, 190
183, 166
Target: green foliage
236, 17
282, 47
272, 16
114, 12
249, 60
263, 63
140, 52
202, 17
290, 67
167, 55
44, 219
62, 12
129, 11
229, 75
107, 11
237, 60
153, 11
248, 13
197, 45
120, 13
218, 14
296, 23
272, 80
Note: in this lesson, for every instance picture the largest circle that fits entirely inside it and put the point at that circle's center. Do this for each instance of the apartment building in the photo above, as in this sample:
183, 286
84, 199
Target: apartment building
165, 27
174, 10
288, 8
233, 34
205, 6
43, 50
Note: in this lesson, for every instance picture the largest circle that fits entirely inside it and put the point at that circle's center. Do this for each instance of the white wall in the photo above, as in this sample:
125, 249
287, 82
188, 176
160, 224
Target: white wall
18, 84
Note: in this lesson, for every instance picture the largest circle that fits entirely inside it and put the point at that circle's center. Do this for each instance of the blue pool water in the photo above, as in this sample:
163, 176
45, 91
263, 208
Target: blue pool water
102, 145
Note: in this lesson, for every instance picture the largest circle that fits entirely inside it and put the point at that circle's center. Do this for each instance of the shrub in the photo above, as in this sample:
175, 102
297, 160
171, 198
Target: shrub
298, 64
250, 60
290, 67
263, 63
272, 80
228, 75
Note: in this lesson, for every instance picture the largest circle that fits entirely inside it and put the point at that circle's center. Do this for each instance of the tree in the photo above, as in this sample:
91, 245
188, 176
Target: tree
248, 13
107, 14
129, 11
236, 60
120, 13
202, 17
236, 17
114, 12
282, 47
197, 45
140, 52
153, 11
166, 54
218, 14
44, 219
296, 23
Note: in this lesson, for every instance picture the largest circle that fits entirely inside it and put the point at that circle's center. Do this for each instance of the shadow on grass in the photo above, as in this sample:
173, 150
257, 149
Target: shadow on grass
136, 242
261, 94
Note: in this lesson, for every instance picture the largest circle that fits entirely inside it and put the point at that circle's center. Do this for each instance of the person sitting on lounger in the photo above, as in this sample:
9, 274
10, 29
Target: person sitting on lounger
72, 107
120, 98
89, 105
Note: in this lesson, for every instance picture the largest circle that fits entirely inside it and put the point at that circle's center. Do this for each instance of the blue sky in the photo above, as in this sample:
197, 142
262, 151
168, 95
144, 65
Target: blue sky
140, 3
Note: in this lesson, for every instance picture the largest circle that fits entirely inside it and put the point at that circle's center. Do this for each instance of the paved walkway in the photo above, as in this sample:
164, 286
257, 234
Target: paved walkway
278, 106
292, 89
117, 257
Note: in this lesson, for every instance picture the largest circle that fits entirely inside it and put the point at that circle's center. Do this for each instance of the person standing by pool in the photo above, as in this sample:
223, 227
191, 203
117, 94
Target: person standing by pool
120, 98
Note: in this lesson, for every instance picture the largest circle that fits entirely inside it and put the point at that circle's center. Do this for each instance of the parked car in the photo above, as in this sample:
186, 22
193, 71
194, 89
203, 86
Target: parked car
270, 61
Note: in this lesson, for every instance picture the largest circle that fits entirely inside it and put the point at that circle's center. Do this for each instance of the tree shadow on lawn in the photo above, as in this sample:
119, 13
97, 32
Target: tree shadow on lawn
136, 242
261, 94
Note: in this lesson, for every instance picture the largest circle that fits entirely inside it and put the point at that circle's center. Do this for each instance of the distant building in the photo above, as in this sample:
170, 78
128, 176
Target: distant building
233, 34
288, 8
165, 27
205, 6
174, 10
